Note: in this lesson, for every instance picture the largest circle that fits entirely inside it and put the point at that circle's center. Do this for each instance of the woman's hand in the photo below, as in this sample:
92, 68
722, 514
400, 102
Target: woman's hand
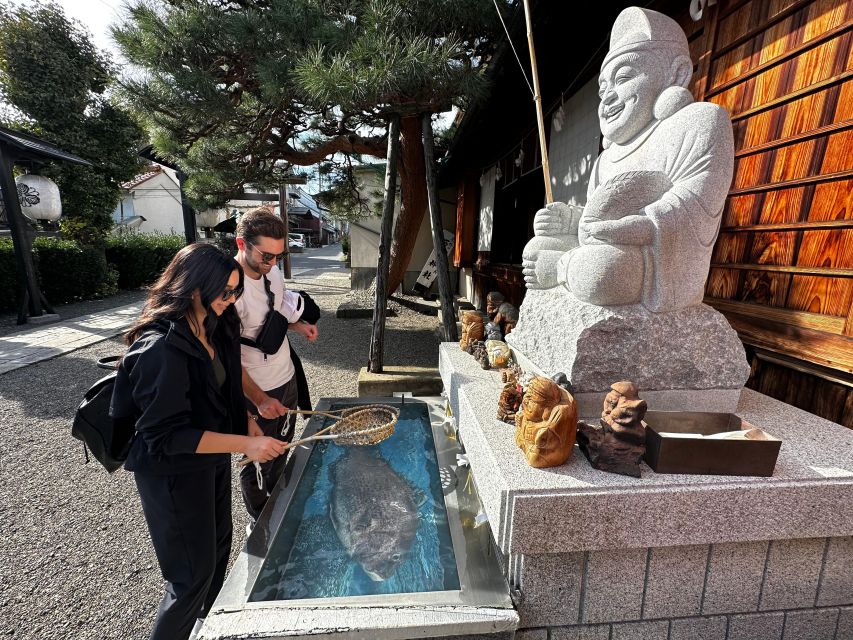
263, 448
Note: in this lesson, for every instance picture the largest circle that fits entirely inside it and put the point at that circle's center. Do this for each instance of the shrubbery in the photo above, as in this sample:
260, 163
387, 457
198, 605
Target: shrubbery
138, 258
69, 272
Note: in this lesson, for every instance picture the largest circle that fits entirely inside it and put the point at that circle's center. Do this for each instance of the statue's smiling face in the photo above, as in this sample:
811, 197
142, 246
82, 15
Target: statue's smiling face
628, 86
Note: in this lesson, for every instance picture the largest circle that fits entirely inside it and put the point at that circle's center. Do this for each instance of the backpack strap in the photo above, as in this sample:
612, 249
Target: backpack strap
271, 305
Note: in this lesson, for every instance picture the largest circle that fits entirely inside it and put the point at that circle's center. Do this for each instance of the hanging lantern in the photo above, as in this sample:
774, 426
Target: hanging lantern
39, 197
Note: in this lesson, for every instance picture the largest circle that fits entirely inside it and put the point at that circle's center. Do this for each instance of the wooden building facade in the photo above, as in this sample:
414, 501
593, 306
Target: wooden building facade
782, 267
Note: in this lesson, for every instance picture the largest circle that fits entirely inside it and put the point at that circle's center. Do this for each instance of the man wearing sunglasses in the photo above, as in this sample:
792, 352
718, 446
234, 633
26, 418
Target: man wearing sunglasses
269, 379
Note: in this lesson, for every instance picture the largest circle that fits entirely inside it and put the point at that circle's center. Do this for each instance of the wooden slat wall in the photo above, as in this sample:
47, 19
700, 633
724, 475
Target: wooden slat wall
782, 268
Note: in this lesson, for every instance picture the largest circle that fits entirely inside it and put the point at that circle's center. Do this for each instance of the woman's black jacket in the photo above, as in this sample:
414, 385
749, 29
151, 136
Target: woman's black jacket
166, 379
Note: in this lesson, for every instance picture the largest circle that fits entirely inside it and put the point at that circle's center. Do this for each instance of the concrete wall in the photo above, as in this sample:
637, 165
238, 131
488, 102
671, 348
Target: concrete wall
158, 200
573, 146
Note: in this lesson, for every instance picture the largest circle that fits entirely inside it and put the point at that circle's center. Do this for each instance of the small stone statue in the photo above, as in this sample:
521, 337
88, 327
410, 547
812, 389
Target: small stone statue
472, 328
619, 445
477, 348
509, 402
561, 380
546, 425
493, 302
493, 331
506, 318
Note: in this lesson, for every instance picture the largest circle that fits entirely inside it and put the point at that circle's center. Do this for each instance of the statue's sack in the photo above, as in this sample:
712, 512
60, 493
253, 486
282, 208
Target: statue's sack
498, 352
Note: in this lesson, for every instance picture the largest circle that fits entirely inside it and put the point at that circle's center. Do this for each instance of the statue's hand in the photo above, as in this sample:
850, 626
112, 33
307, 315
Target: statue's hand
540, 271
554, 220
637, 230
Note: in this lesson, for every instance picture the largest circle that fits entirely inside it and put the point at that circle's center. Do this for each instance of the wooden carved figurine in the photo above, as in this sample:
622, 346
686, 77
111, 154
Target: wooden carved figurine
619, 444
509, 403
546, 425
493, 301
472, 329
512, 374
477, 348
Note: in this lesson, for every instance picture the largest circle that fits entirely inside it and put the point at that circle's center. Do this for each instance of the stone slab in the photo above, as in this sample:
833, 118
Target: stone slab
618, 571
691, 348
278, 620
419, 381
844, 631
591, 632
699, 629
817, 624
735, 574
676, 576
762, 626
353, 310
574, 507
657, 630
792, 573
551, 588
836, 580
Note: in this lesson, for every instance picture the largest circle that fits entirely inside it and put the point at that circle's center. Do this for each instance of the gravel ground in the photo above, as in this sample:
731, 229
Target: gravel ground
76, 559
9, 321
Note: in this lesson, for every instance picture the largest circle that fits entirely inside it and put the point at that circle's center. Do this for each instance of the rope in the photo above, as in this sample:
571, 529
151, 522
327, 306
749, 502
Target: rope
512, 46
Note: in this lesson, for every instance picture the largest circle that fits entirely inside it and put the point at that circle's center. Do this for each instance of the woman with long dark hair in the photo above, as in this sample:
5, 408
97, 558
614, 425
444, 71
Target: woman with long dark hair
181, 379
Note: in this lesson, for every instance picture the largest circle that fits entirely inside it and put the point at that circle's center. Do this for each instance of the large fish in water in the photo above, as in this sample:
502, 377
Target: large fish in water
373, 511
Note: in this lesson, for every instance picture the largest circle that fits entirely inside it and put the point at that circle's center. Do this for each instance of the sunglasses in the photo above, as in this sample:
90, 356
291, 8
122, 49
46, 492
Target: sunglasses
232, 293
269, 257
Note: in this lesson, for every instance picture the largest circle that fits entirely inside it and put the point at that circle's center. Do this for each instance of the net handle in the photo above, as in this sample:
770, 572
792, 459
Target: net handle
290, 445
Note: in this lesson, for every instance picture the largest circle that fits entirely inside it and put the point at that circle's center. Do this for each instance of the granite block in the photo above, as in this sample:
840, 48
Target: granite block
657, 630
609, 573
757, 626
676, 576
844, 631
836, 581
574, 507
699, 629
531, 634
734, 577
593, 632
550, 589
816, 624
793, 570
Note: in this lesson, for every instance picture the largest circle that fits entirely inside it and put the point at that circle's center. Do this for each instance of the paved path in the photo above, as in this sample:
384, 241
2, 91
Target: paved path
29, 346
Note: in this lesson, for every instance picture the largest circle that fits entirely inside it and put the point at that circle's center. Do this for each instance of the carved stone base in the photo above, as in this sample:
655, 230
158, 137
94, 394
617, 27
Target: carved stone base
683, 355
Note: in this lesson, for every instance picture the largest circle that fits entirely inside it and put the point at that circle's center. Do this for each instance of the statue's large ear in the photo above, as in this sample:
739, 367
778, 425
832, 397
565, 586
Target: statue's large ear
680, 72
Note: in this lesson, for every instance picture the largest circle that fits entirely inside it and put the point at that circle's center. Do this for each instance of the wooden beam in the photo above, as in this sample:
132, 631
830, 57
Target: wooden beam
805, 91
380, 301
816, 321
823, 272
800, 137
796, 182
791, 226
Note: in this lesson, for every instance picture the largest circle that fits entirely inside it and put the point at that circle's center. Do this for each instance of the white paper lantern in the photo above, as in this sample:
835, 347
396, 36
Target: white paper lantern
39, 198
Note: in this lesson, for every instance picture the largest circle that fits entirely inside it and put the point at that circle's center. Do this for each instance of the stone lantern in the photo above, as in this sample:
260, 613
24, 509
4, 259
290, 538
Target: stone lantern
39, 198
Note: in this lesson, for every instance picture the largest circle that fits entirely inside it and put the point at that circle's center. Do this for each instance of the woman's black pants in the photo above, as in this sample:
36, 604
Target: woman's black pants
189, 518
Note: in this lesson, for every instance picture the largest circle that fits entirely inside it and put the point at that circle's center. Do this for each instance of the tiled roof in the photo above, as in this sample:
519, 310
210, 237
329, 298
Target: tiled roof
36, 148
153, 170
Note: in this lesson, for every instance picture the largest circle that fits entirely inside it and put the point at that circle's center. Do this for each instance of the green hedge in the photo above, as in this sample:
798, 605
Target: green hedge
139, 259
69, 272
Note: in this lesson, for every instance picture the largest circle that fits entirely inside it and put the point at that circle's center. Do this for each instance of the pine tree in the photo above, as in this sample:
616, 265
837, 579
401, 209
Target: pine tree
54, 84
236, 91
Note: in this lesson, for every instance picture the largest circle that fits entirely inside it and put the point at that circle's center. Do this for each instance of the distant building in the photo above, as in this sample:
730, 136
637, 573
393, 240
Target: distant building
151, 203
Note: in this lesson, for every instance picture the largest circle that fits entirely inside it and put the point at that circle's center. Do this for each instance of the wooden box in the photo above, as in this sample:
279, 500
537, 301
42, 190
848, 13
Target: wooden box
707, 456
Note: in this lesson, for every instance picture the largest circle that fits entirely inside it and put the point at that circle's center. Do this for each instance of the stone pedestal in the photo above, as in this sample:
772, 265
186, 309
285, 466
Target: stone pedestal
687, 360
598, 555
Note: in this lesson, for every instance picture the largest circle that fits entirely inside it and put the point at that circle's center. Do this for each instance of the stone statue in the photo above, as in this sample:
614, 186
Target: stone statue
494, 299
617, 286
618, 446
546, 425
472, 328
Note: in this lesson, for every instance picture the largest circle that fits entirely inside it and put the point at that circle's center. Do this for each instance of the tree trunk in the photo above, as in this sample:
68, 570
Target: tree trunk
377, 336
443, 275
414, 199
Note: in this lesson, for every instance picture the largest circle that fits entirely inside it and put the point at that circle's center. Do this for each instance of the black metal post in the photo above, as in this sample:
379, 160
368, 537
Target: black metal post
282, 209
189, 214
380, 303
32, 297
447, 318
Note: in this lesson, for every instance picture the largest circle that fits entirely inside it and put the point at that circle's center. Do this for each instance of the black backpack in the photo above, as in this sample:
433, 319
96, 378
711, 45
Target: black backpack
108, 438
